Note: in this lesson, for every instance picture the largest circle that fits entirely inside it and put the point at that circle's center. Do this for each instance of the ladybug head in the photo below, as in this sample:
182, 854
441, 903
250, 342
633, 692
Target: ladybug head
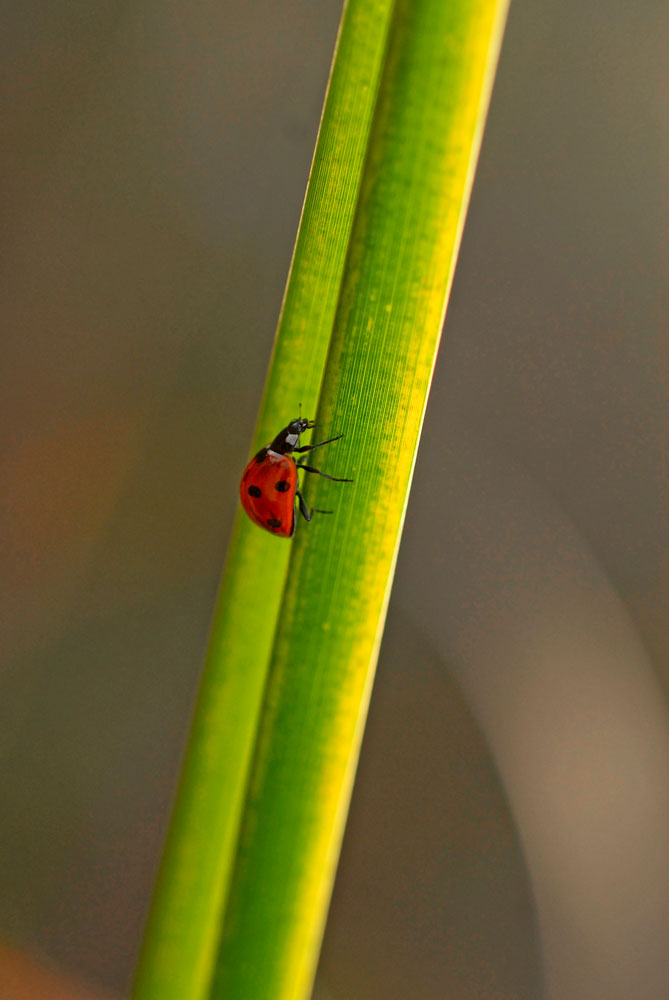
299, 426
289, 438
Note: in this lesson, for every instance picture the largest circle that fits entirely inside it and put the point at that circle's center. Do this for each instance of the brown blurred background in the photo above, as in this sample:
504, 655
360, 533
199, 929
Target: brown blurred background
509, 836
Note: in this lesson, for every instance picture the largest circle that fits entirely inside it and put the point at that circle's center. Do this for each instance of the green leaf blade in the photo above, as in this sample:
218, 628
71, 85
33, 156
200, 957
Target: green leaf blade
415, 189
184, 924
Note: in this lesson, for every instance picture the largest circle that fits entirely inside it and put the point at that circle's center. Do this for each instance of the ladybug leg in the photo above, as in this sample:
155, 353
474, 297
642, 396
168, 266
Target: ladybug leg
304, 510
310, 447
309, 468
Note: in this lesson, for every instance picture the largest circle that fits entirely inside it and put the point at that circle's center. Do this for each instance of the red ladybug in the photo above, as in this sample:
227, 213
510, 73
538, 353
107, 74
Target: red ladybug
269, 484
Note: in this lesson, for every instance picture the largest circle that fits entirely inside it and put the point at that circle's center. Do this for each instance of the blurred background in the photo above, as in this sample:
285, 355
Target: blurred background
509, 834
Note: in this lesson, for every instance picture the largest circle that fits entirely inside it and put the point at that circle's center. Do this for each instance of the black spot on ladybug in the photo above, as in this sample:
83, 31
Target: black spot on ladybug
261, 456
282, 486
273, 522
254, 491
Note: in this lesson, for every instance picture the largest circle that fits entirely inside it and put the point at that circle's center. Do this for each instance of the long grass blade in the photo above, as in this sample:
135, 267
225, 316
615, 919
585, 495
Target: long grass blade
184, 923
417, 178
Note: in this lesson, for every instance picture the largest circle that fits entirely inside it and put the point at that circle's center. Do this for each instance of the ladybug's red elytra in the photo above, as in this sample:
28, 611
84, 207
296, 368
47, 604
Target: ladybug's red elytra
269, 485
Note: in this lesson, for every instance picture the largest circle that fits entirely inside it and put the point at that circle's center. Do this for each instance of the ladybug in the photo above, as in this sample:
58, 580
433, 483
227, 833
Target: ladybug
269, 485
